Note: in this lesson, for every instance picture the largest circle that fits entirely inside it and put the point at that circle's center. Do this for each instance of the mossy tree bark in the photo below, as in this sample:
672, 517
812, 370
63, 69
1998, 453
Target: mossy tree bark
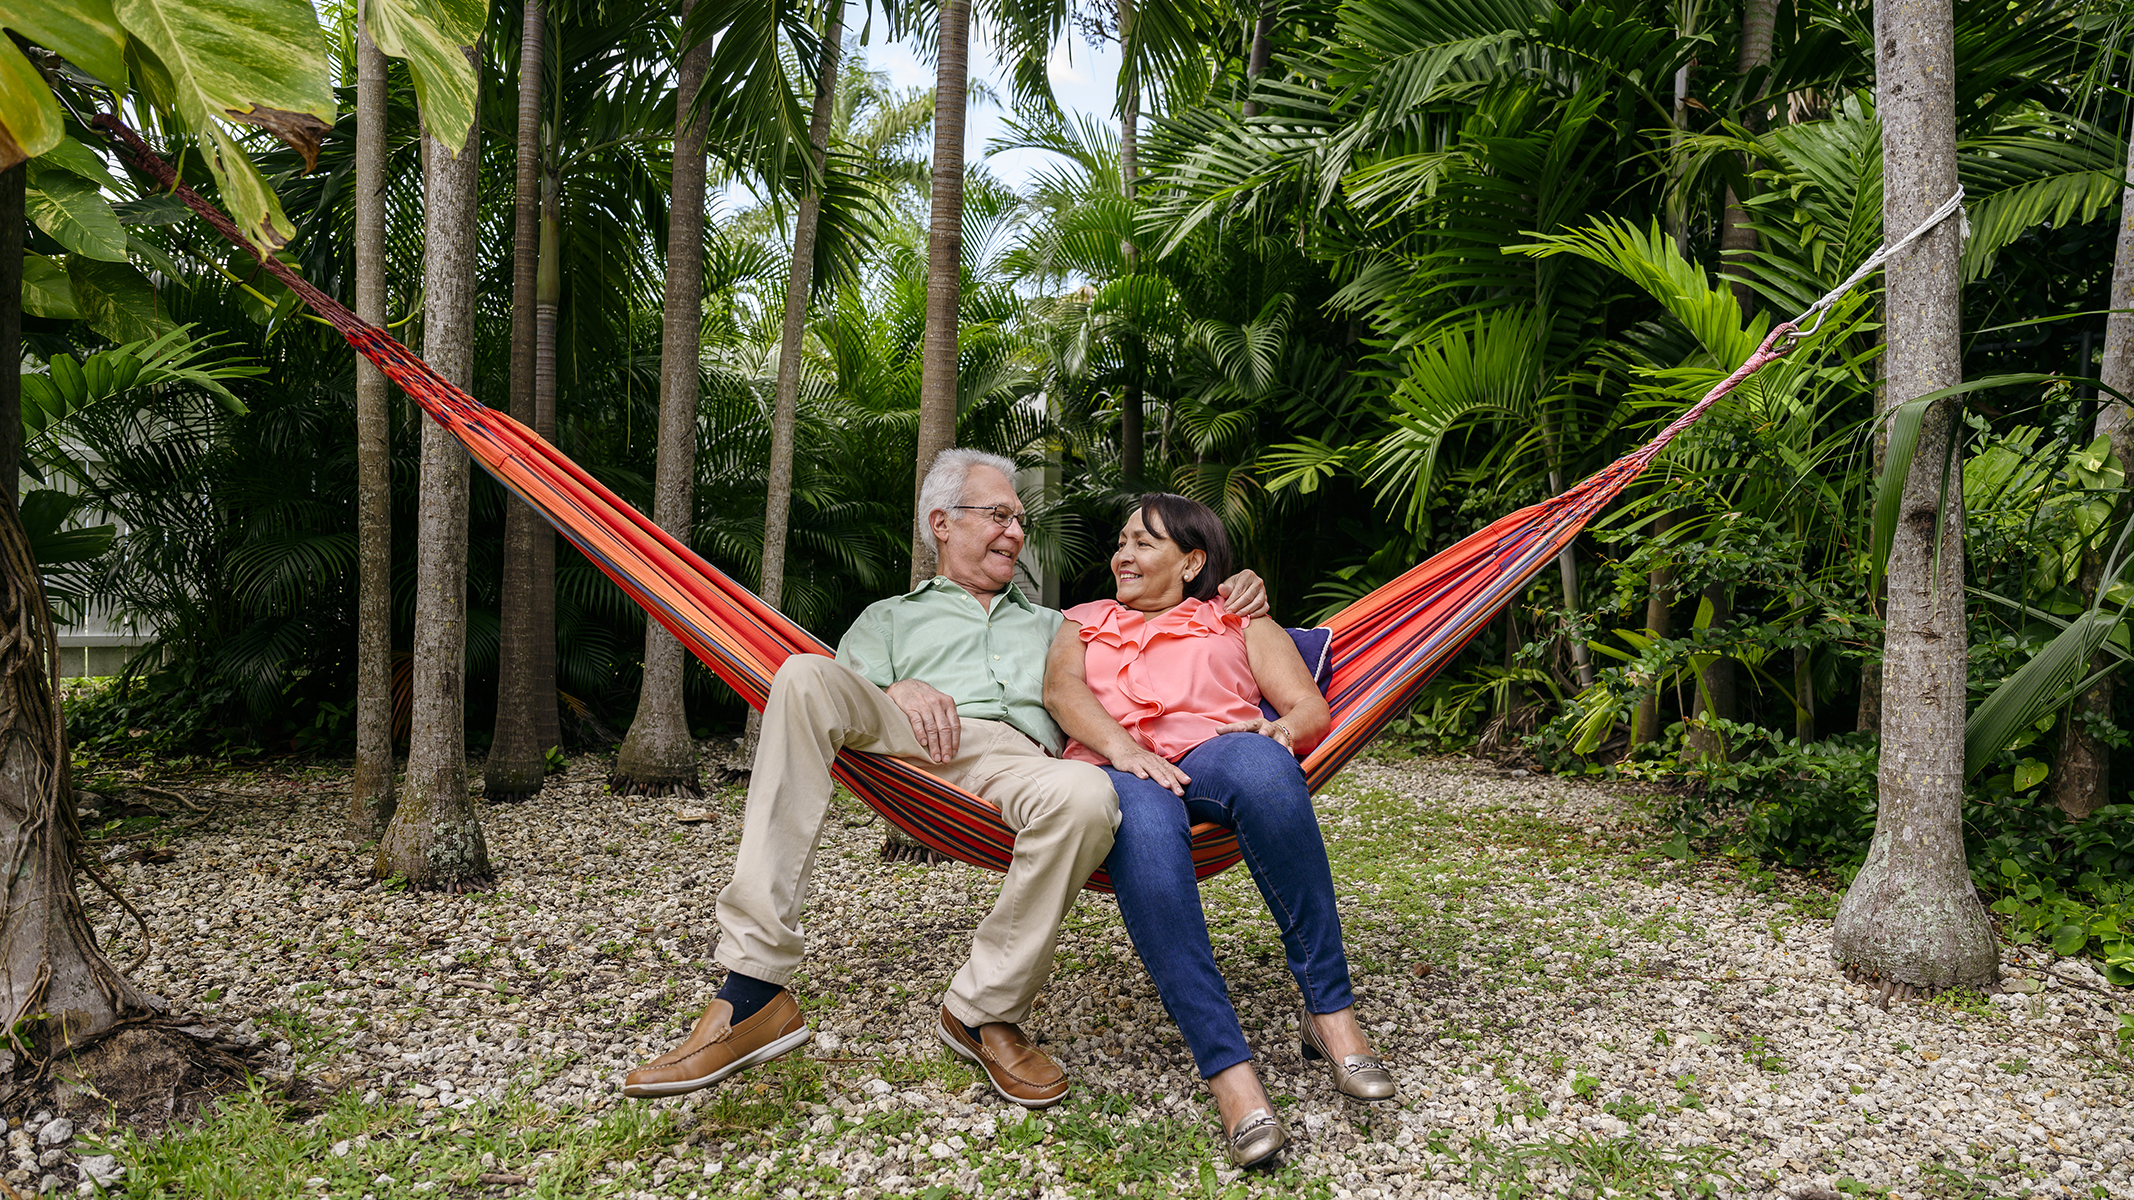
2082, 773
435, 839
1911, 916
658, 756
517, 764
371, 797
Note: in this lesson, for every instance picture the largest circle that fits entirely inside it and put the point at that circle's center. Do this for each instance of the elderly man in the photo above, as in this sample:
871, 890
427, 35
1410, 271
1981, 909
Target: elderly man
951, 677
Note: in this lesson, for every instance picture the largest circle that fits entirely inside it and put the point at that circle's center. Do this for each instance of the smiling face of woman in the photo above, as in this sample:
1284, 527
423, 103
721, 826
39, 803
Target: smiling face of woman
1150, 568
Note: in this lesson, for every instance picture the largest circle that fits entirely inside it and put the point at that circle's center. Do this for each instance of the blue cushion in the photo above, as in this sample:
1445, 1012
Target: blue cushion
1316, 647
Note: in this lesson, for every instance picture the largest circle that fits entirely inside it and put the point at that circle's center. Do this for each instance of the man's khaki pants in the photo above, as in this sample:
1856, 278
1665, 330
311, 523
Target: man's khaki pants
1063, 814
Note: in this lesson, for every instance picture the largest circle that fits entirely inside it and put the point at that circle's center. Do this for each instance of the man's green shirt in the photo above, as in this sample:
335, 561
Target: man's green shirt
990, 661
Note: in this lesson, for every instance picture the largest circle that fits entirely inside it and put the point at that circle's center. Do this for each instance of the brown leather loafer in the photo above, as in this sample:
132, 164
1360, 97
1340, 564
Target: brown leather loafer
1019, 1071
716, 1048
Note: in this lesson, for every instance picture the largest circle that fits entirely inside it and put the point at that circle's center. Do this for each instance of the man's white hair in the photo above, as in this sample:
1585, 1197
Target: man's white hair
949, 479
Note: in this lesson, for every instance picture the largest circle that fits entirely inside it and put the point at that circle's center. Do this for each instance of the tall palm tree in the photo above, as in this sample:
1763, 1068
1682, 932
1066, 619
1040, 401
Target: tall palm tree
370, 801
1131, 432
2082, 770
658, 755
1912, 916
517, 763
778, 505
944, 264
434, 840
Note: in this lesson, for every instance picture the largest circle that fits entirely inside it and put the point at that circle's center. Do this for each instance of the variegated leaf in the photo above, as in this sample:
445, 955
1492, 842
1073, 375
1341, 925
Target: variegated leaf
46, 291
256, 62
75, 214
29, 116
434, 37
84, 32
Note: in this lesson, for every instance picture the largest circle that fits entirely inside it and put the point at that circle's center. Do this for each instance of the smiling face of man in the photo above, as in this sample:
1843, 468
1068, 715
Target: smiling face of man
977, 552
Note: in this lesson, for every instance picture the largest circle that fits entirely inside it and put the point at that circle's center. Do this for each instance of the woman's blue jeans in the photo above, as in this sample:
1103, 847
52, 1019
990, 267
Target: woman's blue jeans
1250, 784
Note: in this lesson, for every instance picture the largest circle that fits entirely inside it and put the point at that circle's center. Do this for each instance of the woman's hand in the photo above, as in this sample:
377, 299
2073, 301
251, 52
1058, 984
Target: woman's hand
1153, 767
1277, 730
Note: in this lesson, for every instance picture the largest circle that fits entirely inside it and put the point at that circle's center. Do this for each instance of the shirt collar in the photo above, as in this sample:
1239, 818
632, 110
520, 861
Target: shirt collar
1012, 592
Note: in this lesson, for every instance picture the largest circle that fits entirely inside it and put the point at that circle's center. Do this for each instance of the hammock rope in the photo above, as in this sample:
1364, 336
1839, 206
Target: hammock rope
1384, 648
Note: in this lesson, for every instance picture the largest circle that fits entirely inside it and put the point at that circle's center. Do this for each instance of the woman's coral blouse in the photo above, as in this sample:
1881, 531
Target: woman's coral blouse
1172, 679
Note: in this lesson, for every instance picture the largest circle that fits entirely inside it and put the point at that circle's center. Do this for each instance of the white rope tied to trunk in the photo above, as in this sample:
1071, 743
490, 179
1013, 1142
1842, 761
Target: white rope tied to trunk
1954, 204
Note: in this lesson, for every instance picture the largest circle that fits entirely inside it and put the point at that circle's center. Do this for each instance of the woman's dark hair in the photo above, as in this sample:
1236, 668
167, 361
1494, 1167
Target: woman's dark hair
1191, 526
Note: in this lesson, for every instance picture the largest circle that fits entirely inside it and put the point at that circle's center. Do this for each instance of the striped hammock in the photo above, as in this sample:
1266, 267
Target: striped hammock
1384, 648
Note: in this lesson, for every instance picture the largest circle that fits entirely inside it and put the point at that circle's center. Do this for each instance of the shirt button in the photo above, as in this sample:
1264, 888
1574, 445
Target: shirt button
996, 658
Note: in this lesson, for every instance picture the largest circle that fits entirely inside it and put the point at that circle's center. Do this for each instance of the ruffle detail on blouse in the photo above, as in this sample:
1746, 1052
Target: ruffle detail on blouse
1114, 624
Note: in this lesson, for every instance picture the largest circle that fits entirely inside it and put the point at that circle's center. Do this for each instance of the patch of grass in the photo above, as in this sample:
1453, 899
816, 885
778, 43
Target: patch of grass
1761, 1056
1625, 1168
1968, 1000
774, 1094
249, 1146
1098, 1149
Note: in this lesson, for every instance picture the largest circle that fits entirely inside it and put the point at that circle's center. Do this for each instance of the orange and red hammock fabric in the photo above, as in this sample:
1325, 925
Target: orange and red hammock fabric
1384, 647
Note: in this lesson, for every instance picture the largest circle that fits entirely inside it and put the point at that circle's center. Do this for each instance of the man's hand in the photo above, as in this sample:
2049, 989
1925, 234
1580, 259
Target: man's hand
1152, 766
1245, 594
933, 716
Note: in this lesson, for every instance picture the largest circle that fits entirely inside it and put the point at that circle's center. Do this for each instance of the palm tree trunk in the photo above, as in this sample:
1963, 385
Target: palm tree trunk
1567, 570
659, 757
1715, 698
1262, 49
48, 954
1803, 689
49, 961
1737, 239
2082, 774
548, 294
778, 503
1912, 916
1659, 622
944, 266
370, 795
1867, 718
1133, 437
435, 841
516, 765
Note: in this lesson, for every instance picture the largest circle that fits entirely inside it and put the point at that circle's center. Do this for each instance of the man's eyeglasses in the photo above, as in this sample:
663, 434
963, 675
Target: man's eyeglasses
999, 514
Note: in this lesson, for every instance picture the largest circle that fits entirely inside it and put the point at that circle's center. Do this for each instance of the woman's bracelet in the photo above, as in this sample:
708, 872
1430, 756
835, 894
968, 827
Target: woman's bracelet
1283, 729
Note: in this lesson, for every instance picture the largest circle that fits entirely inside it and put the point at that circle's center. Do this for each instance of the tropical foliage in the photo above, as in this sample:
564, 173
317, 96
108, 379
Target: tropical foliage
1428, 263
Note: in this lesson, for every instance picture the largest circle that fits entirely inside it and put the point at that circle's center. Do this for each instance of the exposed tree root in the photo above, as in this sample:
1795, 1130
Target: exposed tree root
717, 779
461, 887
144, 1073
911, 852
1891, 988
621, 785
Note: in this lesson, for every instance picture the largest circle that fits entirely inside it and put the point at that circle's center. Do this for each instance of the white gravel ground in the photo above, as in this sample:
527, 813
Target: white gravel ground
1555, 1000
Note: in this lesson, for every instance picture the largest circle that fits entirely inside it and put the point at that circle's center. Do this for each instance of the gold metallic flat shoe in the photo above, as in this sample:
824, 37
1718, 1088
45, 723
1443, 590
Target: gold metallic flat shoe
1357, 1075
1256, 1139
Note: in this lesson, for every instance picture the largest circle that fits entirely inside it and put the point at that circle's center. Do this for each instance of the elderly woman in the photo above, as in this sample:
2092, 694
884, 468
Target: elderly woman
1162, 688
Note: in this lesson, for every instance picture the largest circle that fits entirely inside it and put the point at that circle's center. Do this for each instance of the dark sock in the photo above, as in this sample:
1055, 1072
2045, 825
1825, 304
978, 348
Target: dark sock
970, 1029
747, 994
